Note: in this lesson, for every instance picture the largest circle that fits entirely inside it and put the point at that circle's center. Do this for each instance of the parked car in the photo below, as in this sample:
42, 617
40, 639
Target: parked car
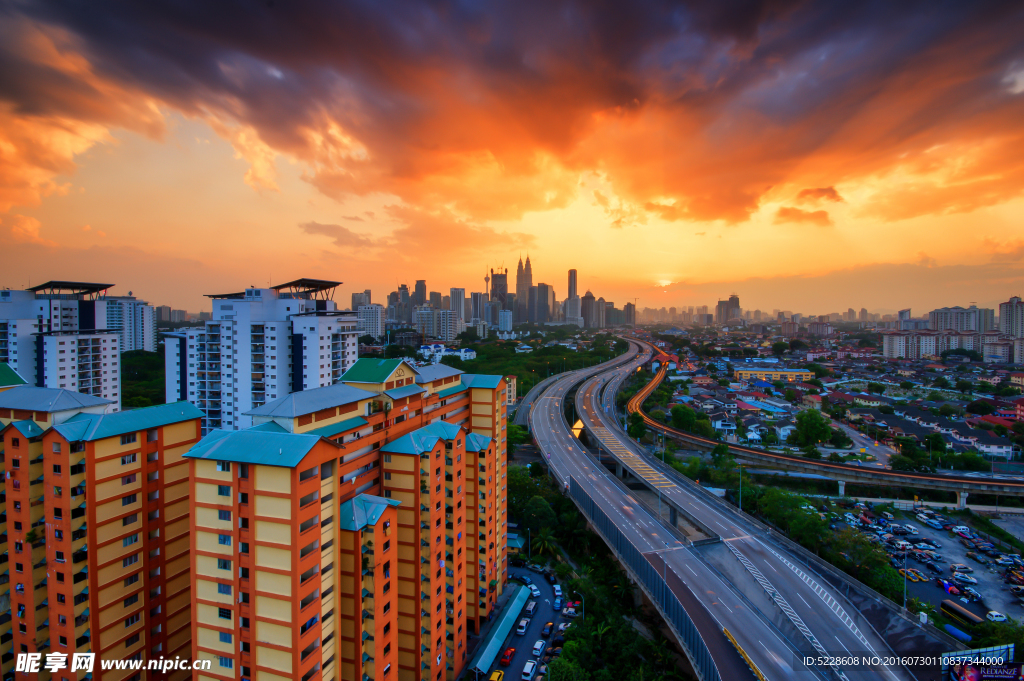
933, 567
551, 578
908, 574
525, 579
528, 670
557, 589
535, 591
539, 647
506, 658
960, 567
523, 625
995, 616
557, 604
962, 578
496, 675
546, 631
977, 558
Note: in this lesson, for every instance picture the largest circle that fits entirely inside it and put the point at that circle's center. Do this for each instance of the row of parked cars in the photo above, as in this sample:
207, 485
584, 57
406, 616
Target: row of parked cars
544, 650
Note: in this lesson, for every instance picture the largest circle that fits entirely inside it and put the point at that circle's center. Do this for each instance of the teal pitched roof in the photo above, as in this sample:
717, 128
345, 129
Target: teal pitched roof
477, 443
89, 427
269, 427
370, 370
424, 439
310, 401
340, 427
488, 381
27, 428
33, 398
451, 391
9, 376
255, 447
405, 391
363, 510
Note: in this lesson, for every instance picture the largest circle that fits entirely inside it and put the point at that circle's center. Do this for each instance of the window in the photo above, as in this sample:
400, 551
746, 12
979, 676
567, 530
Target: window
56, 448
129, 500
131, 640
129, 438
387, 545
224, 539
152, 435
131, 600
224, 589
64, 641
224, 490
58, 556
130, 539
131, 580
387, 476
129, 519
130, 560
131, 458
60, 577
224, 515
224, 466
58, 534
223, 564
224, 613
56, 469
225, 637
387, 458
387, 607
129, 479
131, 620
227, 662
61, 598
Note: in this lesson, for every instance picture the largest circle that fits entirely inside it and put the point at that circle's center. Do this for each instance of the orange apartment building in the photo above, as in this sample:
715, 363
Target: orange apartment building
344, 535
97, 507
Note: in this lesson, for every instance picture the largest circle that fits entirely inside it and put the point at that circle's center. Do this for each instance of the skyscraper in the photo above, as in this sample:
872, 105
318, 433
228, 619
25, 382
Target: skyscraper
499, 288
545, 303
572, 284
524, 280
360, 299
479, 307
435, 299
419, 296
588, 310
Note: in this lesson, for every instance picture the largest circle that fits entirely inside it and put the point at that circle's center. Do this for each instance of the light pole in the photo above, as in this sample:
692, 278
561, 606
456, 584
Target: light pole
904, 580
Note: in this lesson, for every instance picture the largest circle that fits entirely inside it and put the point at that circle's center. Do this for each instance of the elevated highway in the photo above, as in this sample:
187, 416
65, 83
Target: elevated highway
841, 472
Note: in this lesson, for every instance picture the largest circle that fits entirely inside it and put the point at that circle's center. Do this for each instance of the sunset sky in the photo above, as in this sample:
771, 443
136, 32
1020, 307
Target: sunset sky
808, 156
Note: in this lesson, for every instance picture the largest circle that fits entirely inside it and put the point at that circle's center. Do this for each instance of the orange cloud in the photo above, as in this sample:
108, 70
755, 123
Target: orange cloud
26, 230
819, 194
790, 214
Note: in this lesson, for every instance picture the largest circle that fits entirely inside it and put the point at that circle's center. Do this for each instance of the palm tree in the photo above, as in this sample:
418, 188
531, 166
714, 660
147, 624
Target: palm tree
545, 542
601, 629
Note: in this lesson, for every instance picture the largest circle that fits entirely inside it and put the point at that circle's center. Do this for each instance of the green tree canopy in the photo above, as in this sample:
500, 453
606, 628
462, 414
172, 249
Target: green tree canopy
779, 348
811, 428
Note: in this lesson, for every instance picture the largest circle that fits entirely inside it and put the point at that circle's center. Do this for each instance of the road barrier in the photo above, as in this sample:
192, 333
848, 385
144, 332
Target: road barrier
651, 582
743, 654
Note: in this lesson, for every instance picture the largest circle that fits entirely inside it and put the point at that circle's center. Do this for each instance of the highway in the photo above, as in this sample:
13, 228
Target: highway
522, 416
708, 600
824, 614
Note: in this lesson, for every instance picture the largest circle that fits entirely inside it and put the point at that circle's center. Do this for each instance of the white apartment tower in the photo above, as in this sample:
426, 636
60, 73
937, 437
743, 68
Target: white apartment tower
371, 320
972, 318
133, 320
56, 335
457, 302
1011, 317
261, 344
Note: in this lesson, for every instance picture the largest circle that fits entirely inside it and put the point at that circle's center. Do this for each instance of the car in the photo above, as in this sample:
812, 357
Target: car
546, 631
523, 625
1017, 590
496, 675
895, 563
528, 670
550, 577
977, 558
909, 574
557, 604
517, 562
525, 579
995, 616
557, 589
933, 567
962, 578
962, 529
538, 647
506, 658
558, 641
972, 593
565, 625
535, 591
960, 567
568, 612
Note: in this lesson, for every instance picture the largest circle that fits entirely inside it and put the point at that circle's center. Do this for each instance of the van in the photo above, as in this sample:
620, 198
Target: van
911, 529
523, 624
887, 515
961, 529
921, 517
902, 545
530, 607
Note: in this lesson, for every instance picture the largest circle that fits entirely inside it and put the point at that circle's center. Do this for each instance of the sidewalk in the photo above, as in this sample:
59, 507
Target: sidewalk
473, 640
907, 504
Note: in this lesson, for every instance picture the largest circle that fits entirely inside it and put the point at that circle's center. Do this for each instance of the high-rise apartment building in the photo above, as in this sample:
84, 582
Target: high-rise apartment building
260, 345
133, 320
97, 508
479, 305
163, 313
1011, 317
973, 318
630, 314
360, 299
55, 335
457, 302
588, 311
370, 320
364, 531
574, 311
435, 300
505, 320
573, 292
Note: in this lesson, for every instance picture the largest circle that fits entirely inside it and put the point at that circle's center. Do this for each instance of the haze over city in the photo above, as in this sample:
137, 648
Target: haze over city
805, 155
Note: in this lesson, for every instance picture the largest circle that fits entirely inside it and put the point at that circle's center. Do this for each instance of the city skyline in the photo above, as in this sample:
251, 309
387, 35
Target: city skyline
849, 165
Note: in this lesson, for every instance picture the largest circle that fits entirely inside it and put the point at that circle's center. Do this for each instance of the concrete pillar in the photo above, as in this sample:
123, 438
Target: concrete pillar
620, 472
961, 499
842, 488
673, 516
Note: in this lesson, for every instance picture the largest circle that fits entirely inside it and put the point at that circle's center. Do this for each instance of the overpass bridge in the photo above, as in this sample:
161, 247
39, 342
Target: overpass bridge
840, 472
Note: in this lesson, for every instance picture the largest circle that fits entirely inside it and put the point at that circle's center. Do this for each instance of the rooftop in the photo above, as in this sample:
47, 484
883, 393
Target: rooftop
32, 398
362, 511
9, 376
305, 402
435, 372
74, 288
90, 427
423, 440
405, 391
255, 447
370, 370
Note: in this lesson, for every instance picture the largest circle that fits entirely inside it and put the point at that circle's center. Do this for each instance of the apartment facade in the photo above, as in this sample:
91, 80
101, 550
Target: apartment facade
370, 320
355, 531
973, 319
97, 507
133, 320
260, 345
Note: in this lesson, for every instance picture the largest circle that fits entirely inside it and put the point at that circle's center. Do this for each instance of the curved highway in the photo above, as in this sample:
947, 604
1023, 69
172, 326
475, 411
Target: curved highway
825, 620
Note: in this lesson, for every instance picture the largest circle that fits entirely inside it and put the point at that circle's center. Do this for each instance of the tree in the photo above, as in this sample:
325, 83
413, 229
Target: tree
819, 371
539, 514
517, 435
536, 469
797, 344
452, 361
779, 348
703, 428
683, 418
966, 387
941, 382
367, 340
521, 489
878, 388
811, 428
898, 462
544, 541
981, 407
637, 428
936, 396
724, 382
789, 395
563, 669
906, 385
948, 410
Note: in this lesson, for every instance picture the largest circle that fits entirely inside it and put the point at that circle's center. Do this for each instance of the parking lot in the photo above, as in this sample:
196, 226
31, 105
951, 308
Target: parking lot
995, 594
523, 643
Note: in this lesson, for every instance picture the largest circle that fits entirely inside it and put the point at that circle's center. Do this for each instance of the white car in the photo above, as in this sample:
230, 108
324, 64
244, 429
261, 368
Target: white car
528, 669
961, 578
558, 590
538, 648
994, 616
523, 624
535, 591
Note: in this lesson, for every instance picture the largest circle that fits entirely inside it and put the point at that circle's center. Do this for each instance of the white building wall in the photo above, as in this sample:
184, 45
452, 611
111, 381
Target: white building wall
370, 320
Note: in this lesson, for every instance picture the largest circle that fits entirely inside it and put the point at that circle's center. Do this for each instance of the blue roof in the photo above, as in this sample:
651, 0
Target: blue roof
340, 427
451, 391
489, 648
32, 398
89, 427
309, 401
477, 443
481, 380
405, 391
765, 407
256, 447
424, 439
362, 511
269, 427
27, 428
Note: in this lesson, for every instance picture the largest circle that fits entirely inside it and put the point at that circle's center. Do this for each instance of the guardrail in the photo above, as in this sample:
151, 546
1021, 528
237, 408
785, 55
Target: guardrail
651, 582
